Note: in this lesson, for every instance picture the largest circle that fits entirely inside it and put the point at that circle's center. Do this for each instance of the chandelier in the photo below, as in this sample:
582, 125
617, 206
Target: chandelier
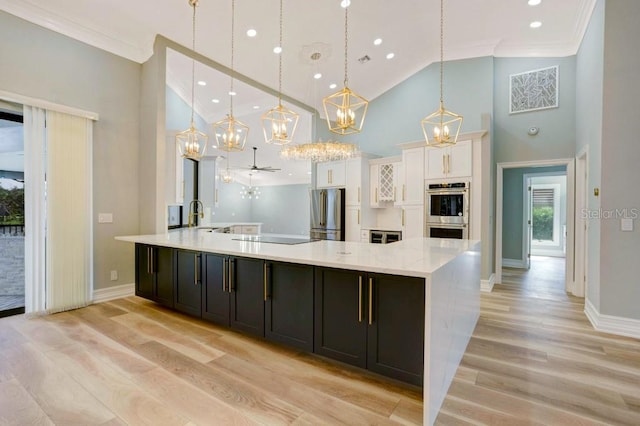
231, 134
192, 143
279, 123
250, 192
345, 110
226, 176
441, 128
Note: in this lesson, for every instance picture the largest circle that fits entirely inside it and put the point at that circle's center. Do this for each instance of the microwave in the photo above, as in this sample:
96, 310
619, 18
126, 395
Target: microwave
448, 203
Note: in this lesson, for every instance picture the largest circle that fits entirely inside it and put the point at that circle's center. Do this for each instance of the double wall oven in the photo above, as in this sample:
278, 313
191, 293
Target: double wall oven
448, 210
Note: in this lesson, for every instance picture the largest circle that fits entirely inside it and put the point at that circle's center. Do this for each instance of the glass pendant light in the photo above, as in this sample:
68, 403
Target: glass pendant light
231, 134
345, 110
192, 143
441, 128
279, 123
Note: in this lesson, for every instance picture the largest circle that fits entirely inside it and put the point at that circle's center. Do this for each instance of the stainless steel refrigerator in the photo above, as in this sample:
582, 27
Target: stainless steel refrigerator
327, 214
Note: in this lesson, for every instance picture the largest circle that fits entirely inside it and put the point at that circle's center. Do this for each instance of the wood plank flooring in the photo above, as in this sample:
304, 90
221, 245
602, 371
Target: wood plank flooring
533, 359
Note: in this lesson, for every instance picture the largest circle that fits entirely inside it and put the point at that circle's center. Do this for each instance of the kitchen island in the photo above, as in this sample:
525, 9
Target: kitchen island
414, 298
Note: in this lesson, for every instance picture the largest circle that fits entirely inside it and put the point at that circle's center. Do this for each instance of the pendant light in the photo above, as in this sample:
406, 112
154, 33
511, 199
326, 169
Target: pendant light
231, 134
192, 143
279, 123
226, 176
345, 110
441, 128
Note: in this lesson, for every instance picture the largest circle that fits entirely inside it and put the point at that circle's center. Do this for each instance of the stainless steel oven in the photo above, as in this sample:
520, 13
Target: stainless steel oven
448, 210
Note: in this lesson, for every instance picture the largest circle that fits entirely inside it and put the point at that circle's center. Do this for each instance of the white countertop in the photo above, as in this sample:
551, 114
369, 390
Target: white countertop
417, 257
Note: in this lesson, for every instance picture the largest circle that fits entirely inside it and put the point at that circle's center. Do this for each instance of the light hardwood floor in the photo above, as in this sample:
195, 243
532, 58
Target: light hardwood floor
533, 359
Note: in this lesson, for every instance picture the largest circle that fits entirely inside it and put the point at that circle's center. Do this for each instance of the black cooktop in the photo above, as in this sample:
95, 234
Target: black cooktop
274, 240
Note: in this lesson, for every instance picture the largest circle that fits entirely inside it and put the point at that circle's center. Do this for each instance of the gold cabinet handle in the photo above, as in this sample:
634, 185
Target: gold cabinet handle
370, 300
403, 191
358, 216
195, 269
330, 175
231, 264
224, 274
448, 163
360, 298
376, 194
264, 275
402, 217
444, 169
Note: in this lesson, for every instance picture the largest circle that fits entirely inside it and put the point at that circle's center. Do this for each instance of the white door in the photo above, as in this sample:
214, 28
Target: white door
528, 225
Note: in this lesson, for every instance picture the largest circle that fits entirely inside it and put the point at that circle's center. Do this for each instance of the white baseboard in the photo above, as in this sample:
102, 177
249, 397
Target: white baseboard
610, 324
487, 285
514, 263
116, 292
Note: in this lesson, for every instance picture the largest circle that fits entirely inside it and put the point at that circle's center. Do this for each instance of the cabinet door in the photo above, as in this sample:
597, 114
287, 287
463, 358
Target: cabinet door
396, 327
413, 221
288, 295
215, 289
413, 185
340, 312
330, 174
188, 294
460, 159
145, 277
338, 175
322, 175
374, 170
246, 278
353, 182
352, 223
398, 179
163, 265
436, 162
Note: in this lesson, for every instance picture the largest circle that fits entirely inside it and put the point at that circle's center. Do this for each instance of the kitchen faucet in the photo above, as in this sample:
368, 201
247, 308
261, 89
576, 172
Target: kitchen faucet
195, 212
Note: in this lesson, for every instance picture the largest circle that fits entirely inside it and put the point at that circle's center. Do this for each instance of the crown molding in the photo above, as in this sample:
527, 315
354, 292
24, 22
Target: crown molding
62, 25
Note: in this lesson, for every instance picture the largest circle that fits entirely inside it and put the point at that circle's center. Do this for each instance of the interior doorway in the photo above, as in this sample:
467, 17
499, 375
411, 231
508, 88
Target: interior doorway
12, 281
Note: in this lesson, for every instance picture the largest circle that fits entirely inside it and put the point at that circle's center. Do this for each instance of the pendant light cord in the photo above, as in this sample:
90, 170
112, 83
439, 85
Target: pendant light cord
233, 20
346, 44
193, 3
441, 53
280, 61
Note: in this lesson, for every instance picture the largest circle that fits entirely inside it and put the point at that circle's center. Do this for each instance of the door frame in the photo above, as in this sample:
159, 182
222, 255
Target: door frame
570, 164
580, 276
528, 204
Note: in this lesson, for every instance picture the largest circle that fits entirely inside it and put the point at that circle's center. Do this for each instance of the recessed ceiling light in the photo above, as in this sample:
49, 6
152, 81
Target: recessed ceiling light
215, 101
317, 76
345, 3
534, 2
256, 107
333, 86
277, 49
377, 41
251, 32
290, 174
535, 24
390, 55
232, 93
202, 83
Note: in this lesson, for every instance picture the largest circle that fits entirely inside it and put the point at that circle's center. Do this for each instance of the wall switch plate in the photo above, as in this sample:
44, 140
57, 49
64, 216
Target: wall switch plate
105, 217
626, 224
114, 275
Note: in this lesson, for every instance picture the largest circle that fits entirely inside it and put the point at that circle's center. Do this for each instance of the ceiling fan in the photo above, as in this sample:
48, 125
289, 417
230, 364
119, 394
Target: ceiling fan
255, 168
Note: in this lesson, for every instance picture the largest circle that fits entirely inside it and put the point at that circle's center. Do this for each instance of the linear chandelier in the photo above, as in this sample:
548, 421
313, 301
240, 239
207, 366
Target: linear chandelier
441, 128
231, 134
192, 143
279, 123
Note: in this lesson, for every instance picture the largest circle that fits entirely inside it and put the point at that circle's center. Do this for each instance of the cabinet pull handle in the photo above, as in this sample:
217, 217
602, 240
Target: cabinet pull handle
330, 176
402, 217
195, 269
403, 192
153, 260
444, 170
358, 216
224, 274
370, 301
148, 260
232, 263
360, 298
376, 194
448, 163
264, 275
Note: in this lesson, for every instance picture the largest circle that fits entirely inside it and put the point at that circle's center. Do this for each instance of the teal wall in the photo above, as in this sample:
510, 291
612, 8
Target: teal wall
513, 208
557, 136
394, 117
179, 114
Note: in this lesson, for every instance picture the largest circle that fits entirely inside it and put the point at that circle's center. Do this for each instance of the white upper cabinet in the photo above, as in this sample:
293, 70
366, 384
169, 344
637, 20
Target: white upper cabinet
374, 170
412, 191
353, 182
330, 174
398, 179
383, 181
451, 162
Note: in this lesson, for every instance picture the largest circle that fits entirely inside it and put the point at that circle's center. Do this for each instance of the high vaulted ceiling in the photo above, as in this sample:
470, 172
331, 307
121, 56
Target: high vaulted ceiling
409, 29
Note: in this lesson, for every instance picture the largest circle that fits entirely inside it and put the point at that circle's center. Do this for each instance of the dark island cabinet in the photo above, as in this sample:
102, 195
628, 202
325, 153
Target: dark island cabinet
188, 276
373, 321
246, 286
288, 296
395, 334
216, 294
340, 312
154, 273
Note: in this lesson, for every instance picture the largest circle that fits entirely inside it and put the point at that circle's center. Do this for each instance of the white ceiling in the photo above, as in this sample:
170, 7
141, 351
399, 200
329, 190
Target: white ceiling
408, 28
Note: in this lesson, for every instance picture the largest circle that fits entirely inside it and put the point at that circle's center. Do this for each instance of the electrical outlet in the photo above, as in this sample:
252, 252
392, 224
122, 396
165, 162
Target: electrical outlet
626, 224
114, 275
105, 217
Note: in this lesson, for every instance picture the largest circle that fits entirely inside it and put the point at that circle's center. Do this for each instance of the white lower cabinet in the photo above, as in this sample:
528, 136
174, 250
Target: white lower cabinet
353, 222
412, 221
